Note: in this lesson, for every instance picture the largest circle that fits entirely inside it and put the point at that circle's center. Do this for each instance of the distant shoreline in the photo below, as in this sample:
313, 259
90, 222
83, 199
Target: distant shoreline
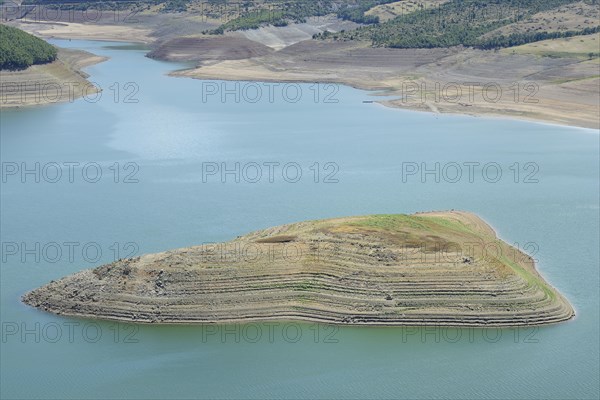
571, 104
567, 115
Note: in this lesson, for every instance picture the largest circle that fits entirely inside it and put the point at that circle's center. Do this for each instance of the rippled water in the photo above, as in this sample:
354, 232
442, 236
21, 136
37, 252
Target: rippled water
164, 146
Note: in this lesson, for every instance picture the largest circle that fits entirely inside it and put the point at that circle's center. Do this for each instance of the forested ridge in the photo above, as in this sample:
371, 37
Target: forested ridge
461, 22
19, 49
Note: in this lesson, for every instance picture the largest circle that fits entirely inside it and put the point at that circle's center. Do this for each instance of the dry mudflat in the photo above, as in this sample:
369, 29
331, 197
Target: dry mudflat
442, 268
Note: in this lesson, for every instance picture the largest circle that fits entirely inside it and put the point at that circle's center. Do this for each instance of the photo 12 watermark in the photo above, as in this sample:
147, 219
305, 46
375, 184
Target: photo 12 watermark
270, 332
468, 93
271, 92
19, 93
71, 252
69, 332
284, 249
70, 172
255, 172
132, 12
113, 12
471, 172
452, 335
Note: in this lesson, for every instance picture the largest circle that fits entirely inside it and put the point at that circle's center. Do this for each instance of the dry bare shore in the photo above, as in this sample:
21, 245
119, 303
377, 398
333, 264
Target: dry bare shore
60, 81
443, 268
458, 80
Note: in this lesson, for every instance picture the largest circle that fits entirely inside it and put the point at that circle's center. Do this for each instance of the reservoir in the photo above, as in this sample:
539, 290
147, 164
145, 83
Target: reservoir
157, 163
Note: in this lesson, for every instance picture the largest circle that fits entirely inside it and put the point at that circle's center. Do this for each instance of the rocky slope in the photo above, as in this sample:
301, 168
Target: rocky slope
446, 269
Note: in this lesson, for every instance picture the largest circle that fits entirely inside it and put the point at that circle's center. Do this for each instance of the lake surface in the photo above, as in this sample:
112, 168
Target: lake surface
167, 195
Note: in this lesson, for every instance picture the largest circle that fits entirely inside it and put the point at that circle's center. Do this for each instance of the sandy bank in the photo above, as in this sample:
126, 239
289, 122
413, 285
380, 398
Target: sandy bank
86, 31
424, 269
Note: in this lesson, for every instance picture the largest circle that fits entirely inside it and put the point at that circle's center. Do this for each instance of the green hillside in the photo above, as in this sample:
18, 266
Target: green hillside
462, 22
19, 50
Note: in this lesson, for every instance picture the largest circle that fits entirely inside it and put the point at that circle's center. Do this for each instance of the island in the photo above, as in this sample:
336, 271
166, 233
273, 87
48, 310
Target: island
427, 269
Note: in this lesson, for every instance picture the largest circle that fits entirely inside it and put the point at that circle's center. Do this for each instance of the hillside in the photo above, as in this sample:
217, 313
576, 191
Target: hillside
481, 24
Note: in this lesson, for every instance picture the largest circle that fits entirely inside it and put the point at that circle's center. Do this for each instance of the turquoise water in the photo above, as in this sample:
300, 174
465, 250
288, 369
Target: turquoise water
162, 200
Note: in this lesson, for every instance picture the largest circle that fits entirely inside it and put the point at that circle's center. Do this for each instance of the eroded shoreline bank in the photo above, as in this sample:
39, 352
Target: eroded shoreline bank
61, 81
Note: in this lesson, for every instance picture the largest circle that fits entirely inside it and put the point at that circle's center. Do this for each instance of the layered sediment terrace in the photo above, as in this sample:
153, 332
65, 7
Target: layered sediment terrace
443, 269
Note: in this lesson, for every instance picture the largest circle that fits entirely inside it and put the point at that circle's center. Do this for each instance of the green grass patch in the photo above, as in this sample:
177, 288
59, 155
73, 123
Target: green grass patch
393, 222
452, 225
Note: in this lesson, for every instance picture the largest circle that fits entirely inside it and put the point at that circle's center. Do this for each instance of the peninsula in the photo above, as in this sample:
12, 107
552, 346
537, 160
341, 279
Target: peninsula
34, 72
438, 268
